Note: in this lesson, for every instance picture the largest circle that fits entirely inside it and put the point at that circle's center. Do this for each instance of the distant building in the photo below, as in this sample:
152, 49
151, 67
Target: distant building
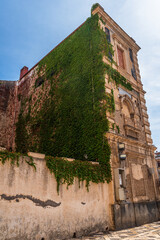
157, 158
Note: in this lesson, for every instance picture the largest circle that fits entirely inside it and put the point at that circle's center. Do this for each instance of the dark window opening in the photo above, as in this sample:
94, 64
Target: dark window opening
110, 55
19, 97
74, 235
133, 71
131, 54
109, 41
107, 34
39, 82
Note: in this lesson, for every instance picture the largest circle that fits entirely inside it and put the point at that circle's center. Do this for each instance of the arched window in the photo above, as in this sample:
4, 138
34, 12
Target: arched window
125, 110
127, 106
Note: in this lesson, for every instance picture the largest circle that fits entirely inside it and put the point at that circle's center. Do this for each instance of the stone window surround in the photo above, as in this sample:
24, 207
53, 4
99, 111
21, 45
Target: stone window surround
119, 48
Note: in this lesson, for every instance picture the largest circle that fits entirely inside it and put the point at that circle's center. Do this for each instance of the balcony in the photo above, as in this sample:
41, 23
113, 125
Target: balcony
132, 129
128, 121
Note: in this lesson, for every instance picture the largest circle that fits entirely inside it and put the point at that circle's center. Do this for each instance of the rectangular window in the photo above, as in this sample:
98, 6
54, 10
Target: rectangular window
131, 54
107, 34
133, 72
122, 178
109, 41
120, 57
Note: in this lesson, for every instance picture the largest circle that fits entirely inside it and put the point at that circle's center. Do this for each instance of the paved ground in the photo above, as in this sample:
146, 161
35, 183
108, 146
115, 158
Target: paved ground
146, 232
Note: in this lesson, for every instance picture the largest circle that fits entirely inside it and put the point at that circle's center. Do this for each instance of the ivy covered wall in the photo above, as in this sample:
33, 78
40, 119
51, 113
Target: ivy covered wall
68, 119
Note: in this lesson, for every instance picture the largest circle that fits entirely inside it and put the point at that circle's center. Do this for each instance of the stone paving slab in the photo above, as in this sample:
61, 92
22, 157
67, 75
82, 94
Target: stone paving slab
146, 232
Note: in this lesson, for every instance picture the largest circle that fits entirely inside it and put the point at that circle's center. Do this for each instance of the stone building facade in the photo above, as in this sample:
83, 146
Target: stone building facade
135, 175
133, 195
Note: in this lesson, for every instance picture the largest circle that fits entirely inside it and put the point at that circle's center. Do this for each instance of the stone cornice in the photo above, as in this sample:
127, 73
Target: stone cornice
130, 141
116, 28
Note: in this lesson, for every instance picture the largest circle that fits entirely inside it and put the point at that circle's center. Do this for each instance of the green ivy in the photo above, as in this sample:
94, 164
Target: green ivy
71, 121
14, 158
102, 21
110, 102
21, 139
65, 171
115, 76
94, 6
118, 129
113, 126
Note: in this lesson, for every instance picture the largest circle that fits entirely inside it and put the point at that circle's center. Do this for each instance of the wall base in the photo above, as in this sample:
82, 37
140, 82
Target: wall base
127, 215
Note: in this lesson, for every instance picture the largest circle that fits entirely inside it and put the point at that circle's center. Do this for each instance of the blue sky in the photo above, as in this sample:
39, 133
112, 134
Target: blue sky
30, 29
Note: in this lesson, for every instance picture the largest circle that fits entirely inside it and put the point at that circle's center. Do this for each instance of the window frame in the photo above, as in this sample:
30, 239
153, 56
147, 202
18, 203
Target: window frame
123, 57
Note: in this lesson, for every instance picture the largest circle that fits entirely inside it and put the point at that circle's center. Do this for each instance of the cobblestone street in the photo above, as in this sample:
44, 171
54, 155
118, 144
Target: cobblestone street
146, 232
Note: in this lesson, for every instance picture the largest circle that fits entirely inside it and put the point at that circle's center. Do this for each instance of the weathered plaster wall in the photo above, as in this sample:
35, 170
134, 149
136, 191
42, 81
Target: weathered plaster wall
129, 215
32, 209
140, 170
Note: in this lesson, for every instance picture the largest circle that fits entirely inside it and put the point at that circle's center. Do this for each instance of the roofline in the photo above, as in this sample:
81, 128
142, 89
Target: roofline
99, 7
94, 11
51, 51
11, 81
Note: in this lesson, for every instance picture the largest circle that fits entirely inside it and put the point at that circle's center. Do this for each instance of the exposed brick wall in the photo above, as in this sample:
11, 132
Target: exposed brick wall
6, 90
11, 119
12, 95
17, 95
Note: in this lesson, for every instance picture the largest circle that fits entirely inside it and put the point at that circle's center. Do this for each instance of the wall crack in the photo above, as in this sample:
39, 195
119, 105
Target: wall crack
38, 202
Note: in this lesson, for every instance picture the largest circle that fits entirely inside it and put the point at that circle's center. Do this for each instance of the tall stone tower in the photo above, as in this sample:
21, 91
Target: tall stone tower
132, 159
